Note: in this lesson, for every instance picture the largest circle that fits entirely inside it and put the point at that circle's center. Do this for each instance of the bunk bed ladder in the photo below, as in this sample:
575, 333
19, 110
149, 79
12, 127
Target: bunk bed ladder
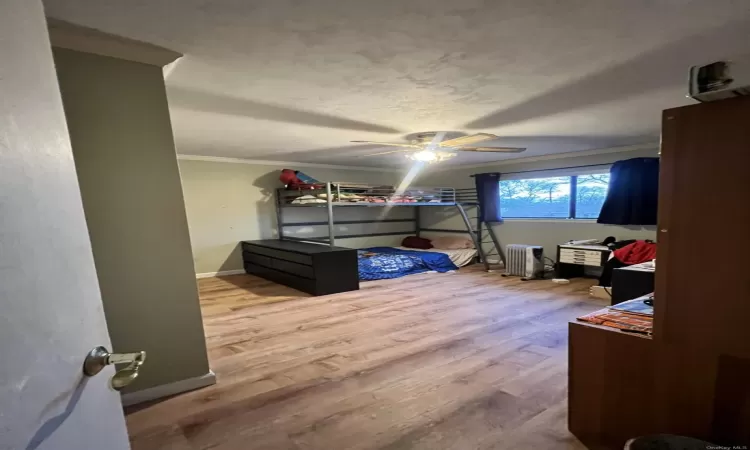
496, 249
495, 242
476, 236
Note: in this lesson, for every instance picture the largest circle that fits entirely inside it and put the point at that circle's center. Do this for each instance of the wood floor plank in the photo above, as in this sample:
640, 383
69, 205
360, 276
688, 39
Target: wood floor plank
433, 361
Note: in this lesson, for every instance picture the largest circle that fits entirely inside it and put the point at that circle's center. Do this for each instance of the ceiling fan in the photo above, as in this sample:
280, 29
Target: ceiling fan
430, 147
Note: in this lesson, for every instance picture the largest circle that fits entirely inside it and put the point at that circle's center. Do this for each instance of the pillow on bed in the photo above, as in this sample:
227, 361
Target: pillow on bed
416, 242
452, 242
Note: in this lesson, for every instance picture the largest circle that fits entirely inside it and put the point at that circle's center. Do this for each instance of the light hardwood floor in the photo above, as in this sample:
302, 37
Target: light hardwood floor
433, 361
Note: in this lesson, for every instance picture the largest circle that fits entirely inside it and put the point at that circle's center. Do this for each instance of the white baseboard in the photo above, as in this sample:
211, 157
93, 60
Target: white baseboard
219, 274
165, 390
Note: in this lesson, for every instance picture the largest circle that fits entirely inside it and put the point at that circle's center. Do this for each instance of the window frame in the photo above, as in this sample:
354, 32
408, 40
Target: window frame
572, 202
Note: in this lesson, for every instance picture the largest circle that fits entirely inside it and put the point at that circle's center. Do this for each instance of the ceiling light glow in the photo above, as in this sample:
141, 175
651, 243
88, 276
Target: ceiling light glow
429, 156
424, 156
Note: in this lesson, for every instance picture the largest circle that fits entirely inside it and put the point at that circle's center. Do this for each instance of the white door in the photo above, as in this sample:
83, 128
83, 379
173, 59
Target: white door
50, 307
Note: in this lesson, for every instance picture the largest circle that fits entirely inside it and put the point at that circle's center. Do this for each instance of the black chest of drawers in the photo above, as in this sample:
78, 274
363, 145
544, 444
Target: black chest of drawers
315, 269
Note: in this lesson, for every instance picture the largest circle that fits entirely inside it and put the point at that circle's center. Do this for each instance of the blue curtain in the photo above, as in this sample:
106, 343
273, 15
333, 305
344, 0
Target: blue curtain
488, 194
633, 193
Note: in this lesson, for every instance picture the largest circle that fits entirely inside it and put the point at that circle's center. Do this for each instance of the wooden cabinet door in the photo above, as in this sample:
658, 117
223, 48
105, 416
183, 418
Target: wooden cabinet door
702, 278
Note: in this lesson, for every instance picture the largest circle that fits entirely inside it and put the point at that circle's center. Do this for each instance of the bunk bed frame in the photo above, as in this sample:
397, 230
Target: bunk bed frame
331, 195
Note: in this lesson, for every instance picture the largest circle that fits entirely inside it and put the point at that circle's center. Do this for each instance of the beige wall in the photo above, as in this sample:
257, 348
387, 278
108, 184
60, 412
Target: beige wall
548, 233
230, 202
127, 168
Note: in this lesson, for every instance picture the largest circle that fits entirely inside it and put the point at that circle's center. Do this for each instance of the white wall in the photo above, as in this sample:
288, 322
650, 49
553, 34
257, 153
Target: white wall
548, 233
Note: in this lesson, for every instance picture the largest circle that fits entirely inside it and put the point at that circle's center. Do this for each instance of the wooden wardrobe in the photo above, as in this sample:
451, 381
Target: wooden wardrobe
692, 377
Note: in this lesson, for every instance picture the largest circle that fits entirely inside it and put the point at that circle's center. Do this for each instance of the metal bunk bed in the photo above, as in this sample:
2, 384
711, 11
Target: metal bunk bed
332, 195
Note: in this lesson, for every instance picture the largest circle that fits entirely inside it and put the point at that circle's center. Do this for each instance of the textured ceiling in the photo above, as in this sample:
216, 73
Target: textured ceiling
296, 80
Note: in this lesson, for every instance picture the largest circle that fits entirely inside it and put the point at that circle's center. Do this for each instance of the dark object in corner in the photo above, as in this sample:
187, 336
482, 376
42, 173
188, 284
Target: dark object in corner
633, 193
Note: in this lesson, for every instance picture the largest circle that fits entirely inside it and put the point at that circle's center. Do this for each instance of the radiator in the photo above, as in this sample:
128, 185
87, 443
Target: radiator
524, 260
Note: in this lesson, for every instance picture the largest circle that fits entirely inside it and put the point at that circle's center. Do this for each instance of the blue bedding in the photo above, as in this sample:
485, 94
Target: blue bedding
389, 262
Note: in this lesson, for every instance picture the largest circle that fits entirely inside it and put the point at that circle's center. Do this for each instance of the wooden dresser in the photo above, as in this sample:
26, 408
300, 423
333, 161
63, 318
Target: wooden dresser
692, 377
312, 268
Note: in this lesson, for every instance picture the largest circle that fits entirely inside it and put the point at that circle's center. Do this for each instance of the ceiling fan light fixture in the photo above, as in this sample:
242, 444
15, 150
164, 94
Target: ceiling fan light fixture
430, 156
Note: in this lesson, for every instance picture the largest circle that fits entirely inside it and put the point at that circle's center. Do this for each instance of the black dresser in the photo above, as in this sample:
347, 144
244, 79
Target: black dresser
315, 269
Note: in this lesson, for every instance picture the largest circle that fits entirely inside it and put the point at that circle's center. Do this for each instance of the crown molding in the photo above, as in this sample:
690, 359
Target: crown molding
553, 156
286, 164
89, 40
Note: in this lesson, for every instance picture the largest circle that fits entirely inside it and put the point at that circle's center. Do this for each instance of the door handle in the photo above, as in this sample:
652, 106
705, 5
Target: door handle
99, 358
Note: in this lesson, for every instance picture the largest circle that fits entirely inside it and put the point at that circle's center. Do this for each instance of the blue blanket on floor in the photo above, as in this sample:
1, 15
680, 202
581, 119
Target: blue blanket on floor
389, 262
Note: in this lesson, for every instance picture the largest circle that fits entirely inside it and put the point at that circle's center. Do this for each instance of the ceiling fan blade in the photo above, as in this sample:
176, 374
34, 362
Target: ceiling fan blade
492, 149
390, 152
435, 141
468, 140
388, 144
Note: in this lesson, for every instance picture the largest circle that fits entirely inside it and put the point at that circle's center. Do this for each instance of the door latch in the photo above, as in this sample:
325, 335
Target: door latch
99, 358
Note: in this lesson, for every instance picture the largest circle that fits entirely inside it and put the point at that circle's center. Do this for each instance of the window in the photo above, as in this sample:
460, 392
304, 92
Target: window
590, 194
535, 198
568, 197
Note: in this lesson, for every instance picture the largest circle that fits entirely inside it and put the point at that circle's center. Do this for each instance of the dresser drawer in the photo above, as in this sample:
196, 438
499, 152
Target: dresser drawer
279, 264
255, 258
576, 252
584, 257
293, 268
287, 279
278, 254
586, 262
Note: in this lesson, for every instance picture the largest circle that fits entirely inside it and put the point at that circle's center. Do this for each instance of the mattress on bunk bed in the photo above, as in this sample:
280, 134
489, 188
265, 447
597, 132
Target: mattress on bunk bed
460, 257
379, 263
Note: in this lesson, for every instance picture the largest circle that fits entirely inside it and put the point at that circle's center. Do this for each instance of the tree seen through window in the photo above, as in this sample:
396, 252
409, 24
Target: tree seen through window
592, 190
551, 197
